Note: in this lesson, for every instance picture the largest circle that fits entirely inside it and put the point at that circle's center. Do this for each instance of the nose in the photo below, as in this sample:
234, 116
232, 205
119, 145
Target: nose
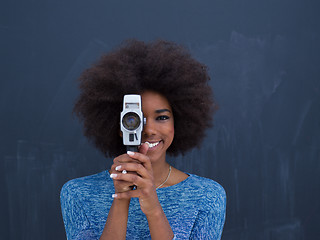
149, 128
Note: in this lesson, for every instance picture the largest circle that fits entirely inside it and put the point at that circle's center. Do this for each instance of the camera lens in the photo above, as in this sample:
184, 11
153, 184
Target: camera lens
131, 121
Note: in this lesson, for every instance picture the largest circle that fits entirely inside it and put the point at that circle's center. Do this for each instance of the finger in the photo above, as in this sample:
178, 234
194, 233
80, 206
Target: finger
119, 184
122, 186
133, 168
144, 148
133, 179
144, 159
123, 159
116, 168
120, 161
127, 194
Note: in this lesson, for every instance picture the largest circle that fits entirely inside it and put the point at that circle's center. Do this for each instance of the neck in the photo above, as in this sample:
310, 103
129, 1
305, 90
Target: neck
160, 172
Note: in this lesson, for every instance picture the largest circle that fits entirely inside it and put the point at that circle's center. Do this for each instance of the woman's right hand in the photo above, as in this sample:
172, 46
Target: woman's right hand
116, 224
120, 185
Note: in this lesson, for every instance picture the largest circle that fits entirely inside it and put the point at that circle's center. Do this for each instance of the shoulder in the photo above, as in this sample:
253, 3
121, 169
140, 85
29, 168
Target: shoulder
83, 185
77, 202
207, 185
207, 191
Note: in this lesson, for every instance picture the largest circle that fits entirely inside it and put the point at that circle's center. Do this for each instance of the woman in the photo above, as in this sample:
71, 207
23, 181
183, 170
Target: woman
178, 106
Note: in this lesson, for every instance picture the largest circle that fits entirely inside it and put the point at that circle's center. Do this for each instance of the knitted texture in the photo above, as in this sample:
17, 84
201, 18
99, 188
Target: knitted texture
195, 208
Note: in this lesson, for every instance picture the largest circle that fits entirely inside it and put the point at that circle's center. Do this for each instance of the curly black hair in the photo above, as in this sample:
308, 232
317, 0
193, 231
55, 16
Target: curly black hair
132, 68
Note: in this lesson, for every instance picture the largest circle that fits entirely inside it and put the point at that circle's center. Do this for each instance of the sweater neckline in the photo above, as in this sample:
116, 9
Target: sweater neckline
177, 184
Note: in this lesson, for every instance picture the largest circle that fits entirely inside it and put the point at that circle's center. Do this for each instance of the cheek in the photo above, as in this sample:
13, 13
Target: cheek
170, 136
171, 131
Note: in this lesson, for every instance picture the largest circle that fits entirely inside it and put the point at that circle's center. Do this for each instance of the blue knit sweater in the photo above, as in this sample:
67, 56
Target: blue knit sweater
195, 208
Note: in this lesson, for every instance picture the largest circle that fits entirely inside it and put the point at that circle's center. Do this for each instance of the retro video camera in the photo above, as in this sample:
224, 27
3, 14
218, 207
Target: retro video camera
132, 121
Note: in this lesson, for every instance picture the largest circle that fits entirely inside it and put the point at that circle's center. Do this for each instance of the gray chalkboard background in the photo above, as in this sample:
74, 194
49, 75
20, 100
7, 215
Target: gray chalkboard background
264, 60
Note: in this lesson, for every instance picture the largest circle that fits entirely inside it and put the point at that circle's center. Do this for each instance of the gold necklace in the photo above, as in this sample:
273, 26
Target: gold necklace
166, 179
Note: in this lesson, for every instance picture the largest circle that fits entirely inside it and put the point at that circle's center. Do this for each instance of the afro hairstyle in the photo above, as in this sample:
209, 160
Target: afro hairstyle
132, 68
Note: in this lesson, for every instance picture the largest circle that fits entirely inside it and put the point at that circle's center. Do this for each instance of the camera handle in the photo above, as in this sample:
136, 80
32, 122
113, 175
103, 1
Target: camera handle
132, 148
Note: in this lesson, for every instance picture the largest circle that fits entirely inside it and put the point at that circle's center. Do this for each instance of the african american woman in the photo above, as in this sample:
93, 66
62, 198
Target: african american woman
178, 105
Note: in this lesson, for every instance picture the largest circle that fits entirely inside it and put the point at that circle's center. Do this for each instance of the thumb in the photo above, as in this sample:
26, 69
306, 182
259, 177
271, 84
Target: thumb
144, 148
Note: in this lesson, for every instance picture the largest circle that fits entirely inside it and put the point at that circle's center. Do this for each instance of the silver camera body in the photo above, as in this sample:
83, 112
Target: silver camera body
132, 121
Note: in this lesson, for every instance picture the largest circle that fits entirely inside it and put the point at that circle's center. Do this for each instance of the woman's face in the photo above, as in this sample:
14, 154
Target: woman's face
159, 128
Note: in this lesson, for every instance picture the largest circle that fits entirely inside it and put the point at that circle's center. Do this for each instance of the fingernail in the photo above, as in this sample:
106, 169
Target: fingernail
130, 153
118, 168
113, 175
124, 172
114, 195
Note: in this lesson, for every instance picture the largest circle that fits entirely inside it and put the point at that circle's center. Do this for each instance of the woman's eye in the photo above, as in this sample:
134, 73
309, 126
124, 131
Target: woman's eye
164, 117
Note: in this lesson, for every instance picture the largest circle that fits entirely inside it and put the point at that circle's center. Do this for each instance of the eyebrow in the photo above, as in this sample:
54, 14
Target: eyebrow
162, 110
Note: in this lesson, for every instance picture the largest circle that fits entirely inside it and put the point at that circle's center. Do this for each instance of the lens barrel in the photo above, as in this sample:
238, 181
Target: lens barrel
131, 121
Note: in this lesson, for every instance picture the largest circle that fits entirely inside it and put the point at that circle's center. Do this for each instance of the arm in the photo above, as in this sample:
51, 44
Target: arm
159, 226
209, 223
75, 221
116, 224
146, 192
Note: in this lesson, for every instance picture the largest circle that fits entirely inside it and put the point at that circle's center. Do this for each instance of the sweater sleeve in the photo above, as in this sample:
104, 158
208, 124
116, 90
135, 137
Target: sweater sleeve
75, 221
209, 223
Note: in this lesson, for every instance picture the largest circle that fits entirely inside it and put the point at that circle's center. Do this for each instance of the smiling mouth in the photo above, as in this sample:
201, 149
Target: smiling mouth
151, 145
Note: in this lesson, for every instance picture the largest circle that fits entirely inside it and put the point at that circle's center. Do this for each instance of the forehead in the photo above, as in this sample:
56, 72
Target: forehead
152, 101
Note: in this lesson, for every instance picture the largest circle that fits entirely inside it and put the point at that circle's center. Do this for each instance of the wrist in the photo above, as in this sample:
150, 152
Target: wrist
121, 203
156, 213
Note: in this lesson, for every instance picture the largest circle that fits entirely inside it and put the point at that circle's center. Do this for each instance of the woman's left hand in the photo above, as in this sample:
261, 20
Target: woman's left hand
145, 190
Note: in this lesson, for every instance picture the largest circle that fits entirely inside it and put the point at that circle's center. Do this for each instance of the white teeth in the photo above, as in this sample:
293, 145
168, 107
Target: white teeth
151, 145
